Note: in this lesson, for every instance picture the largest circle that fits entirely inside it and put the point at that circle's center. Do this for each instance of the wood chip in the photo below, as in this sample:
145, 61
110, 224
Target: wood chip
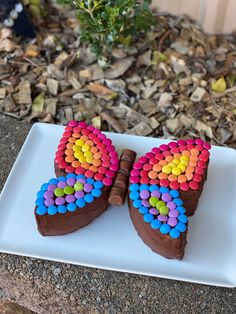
119, 68
52, 86
24, 95
2, 93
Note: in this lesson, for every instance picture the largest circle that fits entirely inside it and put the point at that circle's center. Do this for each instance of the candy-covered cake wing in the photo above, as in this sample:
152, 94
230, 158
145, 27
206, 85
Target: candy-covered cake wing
165, 186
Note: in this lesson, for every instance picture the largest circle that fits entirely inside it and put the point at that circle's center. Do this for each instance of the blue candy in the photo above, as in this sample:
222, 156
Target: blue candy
80, 176
134, 187
164, 229
96, 192
98, 185
143, 210
178, 201
89, 198
174, 193
181, 227
174, 233
90, 181
39, 201
53, 181
148, 217
41, 210
183, 218
52, 210
71, 207
44, 187
71, 176
181, 209
62, 209
163, 190
153, 187
155, 224
80, 202
137, 203
60, 179
144, 187
40, 194
134, 195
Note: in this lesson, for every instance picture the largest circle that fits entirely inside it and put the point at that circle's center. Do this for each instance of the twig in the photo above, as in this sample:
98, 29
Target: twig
163, 37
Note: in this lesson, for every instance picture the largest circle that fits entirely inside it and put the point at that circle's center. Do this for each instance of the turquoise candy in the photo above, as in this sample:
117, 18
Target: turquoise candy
98, 184
134, 195
174, 233
174, 193
53, 181
178, 201
165, 228
148, 217
52, 210
143, 210
144, 187
39, 201
71, 176
41, 210
164, 189
134, 187
181, 209
62, 209
181, 227
153, 187
90, 181
60, 179
71, 207
155, 224
44, 187
40, 194
183, 218
89, 198
96, 192
137, 203
80, 202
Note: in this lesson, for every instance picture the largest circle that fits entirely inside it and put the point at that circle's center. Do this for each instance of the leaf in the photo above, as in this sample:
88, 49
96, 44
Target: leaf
102, 91
219, 86
158, 57
38, 103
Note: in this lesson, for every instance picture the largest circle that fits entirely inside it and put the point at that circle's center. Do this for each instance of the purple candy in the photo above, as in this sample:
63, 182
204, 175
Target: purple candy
60, 201
172, 222
173, 213
153, 211
70, 198
171, 205
71, 181
145, 203
156, 194
49, 201
162, 218
88, 187
81, 180
62, 184
79, 194
52, 187
144, 194
166, 197
48, 194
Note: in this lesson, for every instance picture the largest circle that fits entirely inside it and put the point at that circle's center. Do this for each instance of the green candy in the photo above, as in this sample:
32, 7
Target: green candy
153, 200
59, 192
69, 190
164, 210
78, 186
159, 204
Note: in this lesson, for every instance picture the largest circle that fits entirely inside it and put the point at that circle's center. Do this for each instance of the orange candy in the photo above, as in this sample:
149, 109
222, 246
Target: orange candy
84, 138
93, 168
89, 142
177, 156
157, 167
152, 174
85, 165
72, 140
189, 176
69, 145
93, 149
194, 152
76, 164
193, 158
192, 163
162, 176
69, 152
172, 177
163, 162
189, 169
97, 162
169, 158
186, 153
182, 178
76, 135
69, 159
97, 155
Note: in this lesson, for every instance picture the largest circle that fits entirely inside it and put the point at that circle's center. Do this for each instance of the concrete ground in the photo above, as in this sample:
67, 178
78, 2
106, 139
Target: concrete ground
52, 287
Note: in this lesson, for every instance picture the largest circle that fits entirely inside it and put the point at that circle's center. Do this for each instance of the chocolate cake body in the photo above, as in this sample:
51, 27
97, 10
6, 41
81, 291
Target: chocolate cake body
176, 168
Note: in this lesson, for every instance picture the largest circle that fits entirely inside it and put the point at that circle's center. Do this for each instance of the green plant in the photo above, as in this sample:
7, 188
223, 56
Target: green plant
104, 23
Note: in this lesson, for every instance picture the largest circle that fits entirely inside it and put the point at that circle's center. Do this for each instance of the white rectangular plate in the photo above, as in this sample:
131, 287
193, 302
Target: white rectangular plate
110, 241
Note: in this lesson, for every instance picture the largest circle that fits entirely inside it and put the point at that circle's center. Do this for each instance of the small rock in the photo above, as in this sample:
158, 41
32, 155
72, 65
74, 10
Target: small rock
85, 74
165, 100
97, 122
180, 47
2, 93
185, 81
145, 58
8, 104
118, 53
149, 91
172, 125
56, 271
198, 94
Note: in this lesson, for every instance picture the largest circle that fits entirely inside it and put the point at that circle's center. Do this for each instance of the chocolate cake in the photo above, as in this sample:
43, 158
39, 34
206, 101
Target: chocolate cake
165, 188
85, 164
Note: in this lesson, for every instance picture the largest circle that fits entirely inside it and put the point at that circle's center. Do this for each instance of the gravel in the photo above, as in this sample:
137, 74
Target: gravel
52, 287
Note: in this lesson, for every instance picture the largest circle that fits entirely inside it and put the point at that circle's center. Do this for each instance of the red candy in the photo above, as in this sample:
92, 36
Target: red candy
135, 173
159, 156
155, 150
137, 165
143, 160
197, 178
194, 185
63, 164
110, 174
184, 186
107, 181
164, 147
147, 167
98, 176
164, 182
203, 157
79, 170
89, 173
199, 170
172, 144
144, 180
70, 169
150, 155
174, 185
134, 179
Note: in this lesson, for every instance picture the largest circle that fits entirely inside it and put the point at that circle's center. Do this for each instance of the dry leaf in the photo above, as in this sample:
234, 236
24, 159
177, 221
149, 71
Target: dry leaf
7, 45
102, 91
32, 51
38, 103
119, 68
219, 86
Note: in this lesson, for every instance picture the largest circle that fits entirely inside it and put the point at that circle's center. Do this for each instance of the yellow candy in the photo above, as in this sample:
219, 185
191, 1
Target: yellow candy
89, 160
76, 148
166, 169
184, 158
182, 167
82, 159
171, 165
85, 147
176, 161
184, 162
78, 155
79, 142
176, 171
88, 154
